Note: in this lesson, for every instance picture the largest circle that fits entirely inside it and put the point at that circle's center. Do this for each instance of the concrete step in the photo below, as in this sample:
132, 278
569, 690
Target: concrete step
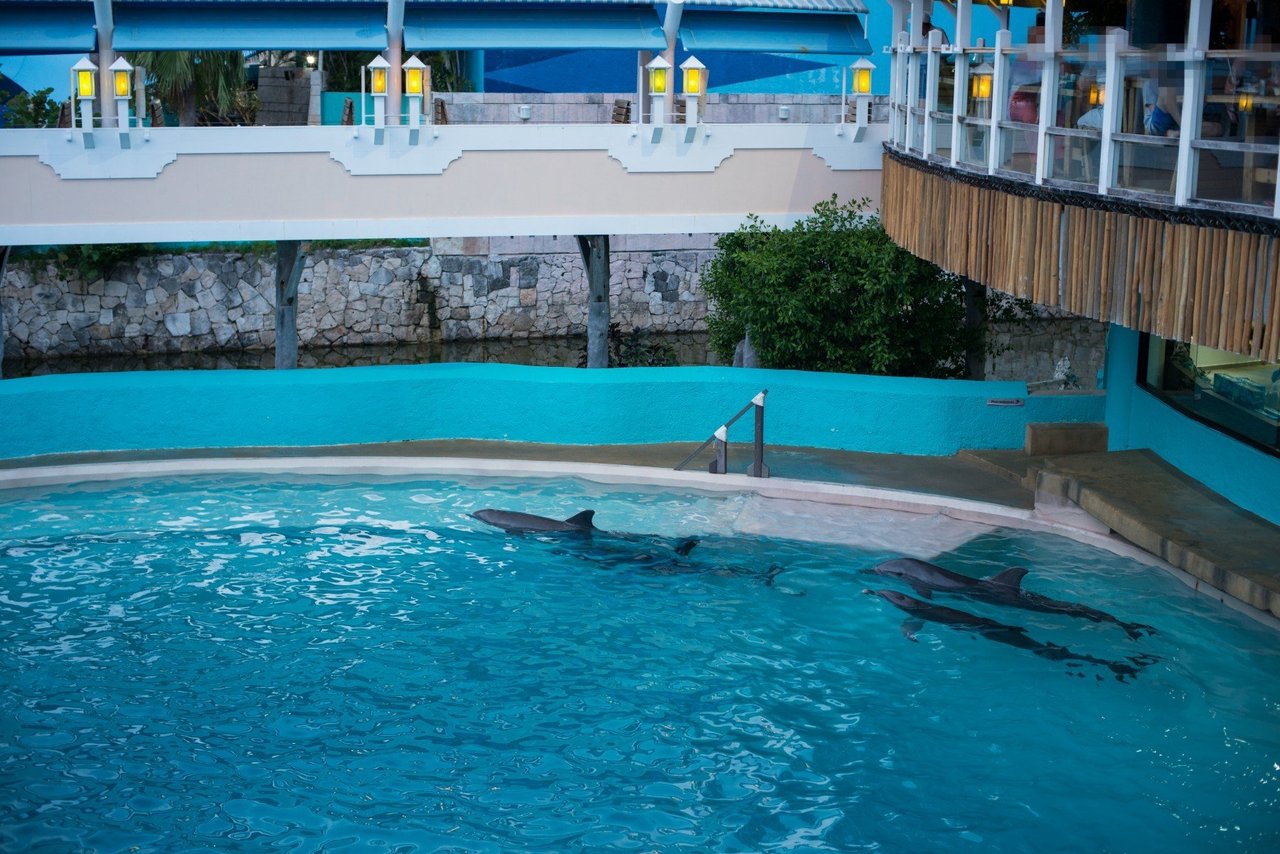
1052, 439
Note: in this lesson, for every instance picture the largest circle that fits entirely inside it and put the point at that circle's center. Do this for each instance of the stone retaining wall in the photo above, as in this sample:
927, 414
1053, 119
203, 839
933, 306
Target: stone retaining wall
466, 289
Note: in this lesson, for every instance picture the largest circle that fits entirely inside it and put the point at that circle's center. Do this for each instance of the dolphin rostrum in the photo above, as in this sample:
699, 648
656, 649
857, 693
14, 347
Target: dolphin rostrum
1003, 588
1015, 636
519, 523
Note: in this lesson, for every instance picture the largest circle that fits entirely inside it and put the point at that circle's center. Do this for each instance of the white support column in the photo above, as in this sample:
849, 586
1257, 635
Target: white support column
999, 98
1049, 77
897, 70
1192, 100
395, 56
960, 96
916, 40
1117, 41
931, 92
104, 24
671, 29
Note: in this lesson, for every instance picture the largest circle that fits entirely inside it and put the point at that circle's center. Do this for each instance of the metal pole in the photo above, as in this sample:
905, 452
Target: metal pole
4, 264
758, 468
720, 464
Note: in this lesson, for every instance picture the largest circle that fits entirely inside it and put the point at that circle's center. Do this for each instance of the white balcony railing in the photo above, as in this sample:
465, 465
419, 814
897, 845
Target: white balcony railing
1212, 139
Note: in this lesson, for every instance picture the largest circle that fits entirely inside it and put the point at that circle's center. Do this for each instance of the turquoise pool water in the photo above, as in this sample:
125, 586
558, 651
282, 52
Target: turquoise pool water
240, 664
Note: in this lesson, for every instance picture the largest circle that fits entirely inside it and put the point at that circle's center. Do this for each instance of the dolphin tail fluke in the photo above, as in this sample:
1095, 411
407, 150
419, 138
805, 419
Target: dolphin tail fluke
772, 574
685, 546
1011, 577
582, 520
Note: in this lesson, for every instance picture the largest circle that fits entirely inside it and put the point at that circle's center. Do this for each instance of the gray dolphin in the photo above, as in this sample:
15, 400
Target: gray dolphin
1014, 636
1003, 588
518, 523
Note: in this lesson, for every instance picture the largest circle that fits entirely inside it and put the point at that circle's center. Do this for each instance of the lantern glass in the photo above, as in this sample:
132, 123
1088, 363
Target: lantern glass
413, 81
693, 81
658, 81
981, 87
862, 81
1246, 101
84, 84
1097, 95
122, 83
378, 81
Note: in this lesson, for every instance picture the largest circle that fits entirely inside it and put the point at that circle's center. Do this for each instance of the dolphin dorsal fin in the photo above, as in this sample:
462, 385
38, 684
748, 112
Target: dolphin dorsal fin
1011, 577
581, 520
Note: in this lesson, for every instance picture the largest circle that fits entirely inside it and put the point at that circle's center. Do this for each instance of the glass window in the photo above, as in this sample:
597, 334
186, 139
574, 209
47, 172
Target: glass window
1233, 393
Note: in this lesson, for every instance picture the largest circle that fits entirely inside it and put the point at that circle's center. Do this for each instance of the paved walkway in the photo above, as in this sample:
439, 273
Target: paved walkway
1158, 508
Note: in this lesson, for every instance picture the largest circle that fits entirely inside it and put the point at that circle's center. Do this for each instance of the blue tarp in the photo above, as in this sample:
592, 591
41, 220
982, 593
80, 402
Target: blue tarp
772, 32
288, 26
568, 28
30, 28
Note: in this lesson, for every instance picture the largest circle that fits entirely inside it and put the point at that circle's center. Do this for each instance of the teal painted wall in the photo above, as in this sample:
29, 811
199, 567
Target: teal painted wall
198, 409
1138, 419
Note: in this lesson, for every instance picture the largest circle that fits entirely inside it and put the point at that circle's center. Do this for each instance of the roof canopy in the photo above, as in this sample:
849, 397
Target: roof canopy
772, 32
28, 28
264, 25
449, 26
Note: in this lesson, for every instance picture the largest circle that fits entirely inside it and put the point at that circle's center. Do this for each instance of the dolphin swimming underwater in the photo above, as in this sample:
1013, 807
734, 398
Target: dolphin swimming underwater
1003, 588
1014, 636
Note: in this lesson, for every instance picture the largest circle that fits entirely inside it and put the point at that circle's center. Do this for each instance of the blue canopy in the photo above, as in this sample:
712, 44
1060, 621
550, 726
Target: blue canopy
772, 32
29, 28
523, 26
266, 26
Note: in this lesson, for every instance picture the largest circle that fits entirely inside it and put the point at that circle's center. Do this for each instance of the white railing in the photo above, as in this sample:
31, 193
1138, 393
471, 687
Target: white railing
982, 109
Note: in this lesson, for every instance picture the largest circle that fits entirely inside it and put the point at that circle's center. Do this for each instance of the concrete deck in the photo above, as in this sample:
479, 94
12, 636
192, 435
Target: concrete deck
1156, 507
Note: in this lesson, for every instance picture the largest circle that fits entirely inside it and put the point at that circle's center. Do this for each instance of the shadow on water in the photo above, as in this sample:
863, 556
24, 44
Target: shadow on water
690, 348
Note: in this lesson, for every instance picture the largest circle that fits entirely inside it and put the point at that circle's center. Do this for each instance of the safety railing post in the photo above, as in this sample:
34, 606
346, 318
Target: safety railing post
758, 468
720, 464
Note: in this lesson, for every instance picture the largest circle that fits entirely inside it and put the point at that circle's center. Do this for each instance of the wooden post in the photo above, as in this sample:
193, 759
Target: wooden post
595, 260
289, 264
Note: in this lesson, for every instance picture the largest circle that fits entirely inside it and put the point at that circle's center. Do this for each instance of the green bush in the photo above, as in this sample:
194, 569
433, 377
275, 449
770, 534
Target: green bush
834, 293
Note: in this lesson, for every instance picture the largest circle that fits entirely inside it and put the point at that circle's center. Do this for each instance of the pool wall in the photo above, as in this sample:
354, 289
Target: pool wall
1138, 419
223, 409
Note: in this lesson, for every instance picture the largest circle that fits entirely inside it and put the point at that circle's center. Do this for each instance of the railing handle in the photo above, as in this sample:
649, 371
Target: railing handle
720, 465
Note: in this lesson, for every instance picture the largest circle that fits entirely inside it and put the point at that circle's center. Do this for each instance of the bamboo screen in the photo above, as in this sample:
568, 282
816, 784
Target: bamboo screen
1205, 285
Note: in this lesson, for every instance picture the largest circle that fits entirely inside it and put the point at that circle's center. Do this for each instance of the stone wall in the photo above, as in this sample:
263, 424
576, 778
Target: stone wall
1029, 350
477, 288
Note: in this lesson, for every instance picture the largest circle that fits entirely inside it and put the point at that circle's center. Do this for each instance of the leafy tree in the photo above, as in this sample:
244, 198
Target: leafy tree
834, 293
30, 110
195, 84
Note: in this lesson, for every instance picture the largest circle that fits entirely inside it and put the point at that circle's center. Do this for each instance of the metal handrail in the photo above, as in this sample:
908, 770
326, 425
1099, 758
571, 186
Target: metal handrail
720, 465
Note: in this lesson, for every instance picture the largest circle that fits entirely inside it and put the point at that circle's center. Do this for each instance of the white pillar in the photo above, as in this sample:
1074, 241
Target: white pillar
931, 91
104, 23
1192, 100
999, 98
960, 96
916, 38
897, 71
671, 29
394, 55
1117, 41
1049, 76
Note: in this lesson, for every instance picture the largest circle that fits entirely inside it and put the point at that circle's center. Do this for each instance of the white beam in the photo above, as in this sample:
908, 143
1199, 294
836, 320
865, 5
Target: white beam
1117, 41
104, 25
1049, 85
395, 55
1193, 81
999, 98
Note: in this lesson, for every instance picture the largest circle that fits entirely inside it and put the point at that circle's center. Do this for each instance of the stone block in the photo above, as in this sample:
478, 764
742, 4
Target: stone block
1052, 439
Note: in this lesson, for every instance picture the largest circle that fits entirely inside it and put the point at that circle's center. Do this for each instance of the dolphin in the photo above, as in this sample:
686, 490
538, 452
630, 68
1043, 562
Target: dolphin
1014, 636
1003, 588
523, 523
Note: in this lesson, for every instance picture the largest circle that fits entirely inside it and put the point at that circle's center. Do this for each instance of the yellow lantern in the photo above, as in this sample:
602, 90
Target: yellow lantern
1245, 101
1097, 95
412, 81
122, 78
862, 76
659, 72
980, 88
86, 75
378, 81
695, 77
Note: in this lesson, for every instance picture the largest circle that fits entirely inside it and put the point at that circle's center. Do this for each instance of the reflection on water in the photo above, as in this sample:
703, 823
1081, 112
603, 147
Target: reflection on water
690, 349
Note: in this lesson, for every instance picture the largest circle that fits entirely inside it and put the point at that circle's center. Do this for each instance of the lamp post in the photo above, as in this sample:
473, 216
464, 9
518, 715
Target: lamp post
659, 81
122, 91
84, 75
378, 68
417, 87
861, 96
695, 86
